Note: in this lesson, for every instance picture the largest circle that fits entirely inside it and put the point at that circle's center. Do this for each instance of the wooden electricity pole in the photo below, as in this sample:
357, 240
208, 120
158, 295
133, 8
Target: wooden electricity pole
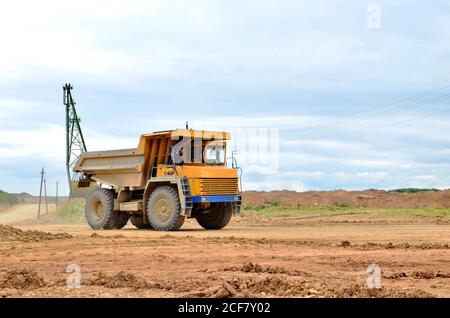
56, 199
45, 191
40, 192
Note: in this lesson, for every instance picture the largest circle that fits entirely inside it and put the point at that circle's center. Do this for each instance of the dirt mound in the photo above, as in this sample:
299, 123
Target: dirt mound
252, 286
224, 290
9, 233
276, 286
380, 246
257, 268
430, 274
186, 285
285, 287
261, 287
358, 291
21, 279
366, 198
119, 280
98, 236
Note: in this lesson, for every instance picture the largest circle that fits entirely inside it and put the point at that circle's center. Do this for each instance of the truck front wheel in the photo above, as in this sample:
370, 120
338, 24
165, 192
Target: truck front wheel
163, 209
216, 217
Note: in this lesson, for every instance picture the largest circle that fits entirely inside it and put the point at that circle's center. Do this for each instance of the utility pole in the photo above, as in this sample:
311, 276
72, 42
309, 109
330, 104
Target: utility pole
40, 192
45, 191
56, 198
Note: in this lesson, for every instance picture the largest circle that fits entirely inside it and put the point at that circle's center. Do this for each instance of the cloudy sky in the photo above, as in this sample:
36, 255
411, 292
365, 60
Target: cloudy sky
354, 106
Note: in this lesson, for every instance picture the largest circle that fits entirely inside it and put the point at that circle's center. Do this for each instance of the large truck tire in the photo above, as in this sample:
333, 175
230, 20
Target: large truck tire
99, 211
121, 220
163, 209
138, 222
216, 217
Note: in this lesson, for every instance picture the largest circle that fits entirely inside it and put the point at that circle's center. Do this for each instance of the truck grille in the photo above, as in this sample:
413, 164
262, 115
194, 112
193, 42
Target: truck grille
219, 186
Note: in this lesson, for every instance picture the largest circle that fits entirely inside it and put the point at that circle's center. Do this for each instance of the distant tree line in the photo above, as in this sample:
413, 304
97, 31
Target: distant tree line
413, 190
8, 198
13, 198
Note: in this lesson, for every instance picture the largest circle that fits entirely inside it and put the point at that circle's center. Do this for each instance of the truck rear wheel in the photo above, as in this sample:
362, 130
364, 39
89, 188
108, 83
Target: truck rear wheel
121, 220
216, 217
138, 221
99, 210
163, 209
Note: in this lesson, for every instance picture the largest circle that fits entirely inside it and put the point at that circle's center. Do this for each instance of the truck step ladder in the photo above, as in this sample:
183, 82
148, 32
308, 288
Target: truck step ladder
187, 193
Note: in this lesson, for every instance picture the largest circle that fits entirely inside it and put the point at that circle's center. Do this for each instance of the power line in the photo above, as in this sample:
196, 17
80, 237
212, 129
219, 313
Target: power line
333, 118
384, 113
382, 126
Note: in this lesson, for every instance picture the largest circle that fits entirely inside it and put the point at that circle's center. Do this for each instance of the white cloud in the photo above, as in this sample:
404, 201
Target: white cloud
43, 143
426, 178
298, 187
379, 164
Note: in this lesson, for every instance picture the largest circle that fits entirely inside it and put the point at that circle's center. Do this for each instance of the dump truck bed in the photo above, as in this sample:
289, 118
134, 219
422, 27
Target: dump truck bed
115, 167
132, 167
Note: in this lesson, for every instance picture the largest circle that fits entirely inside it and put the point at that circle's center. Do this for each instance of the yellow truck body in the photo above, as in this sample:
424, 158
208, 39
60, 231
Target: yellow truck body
133, 175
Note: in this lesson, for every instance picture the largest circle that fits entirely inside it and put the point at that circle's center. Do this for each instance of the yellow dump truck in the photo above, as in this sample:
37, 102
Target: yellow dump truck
171, 175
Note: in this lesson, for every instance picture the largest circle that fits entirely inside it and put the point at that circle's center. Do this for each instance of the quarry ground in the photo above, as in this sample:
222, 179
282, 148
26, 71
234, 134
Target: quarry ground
269, 251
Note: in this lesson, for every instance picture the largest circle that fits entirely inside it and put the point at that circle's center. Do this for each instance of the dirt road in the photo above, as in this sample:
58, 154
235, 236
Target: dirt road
394, 233
23, 212
314, 257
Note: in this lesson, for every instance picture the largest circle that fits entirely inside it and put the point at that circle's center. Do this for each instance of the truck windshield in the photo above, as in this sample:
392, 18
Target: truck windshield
214, 154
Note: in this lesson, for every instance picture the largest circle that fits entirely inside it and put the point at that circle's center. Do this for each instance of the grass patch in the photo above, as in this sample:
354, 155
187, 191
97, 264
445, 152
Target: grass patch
249, 207
336, 206
71, 212
340, 209
287, 211
274, 203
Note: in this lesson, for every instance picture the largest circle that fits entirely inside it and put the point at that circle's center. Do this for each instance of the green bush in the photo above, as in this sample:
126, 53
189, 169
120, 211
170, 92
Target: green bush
249, 207
273, 203
71, 212
340, 205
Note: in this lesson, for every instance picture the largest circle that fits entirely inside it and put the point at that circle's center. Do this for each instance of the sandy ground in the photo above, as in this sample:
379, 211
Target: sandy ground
297, 257
23, 212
